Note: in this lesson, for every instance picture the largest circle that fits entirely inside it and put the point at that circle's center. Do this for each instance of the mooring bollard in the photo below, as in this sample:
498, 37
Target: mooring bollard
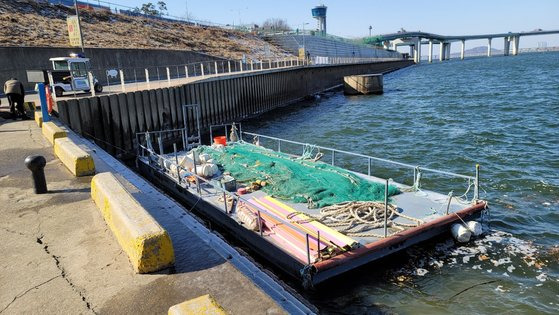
36, 163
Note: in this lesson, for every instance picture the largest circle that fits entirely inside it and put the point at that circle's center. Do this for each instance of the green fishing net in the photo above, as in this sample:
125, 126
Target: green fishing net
289, 178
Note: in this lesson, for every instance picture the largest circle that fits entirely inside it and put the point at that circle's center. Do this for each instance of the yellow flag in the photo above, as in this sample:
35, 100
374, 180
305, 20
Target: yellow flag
74, 31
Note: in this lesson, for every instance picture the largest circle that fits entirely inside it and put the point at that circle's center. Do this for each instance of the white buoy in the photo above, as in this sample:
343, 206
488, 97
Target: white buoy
475, 227
460, 233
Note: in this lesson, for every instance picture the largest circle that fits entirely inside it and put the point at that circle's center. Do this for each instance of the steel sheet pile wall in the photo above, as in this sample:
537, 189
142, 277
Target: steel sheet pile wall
112, 121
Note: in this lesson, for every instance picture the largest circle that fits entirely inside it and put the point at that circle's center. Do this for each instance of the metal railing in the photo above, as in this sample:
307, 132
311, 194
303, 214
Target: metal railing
205, 187
416, 169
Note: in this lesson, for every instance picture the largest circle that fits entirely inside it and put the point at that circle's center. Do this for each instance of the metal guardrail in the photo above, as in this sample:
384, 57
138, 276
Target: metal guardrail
369, 158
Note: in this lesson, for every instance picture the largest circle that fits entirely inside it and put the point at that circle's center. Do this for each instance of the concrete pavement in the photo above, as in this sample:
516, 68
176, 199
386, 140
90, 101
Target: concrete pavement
60, 257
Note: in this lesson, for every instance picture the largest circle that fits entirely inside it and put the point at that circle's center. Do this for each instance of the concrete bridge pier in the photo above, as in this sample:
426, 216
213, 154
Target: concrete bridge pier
441, 51
515, 41
506, 47
447, 51
489, 47
430, 50
462, 51
417, 51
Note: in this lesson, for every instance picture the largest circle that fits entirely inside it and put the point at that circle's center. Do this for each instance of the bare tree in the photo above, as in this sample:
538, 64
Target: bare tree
276, 25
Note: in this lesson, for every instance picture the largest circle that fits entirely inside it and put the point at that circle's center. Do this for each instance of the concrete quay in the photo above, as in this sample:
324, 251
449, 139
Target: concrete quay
59, 256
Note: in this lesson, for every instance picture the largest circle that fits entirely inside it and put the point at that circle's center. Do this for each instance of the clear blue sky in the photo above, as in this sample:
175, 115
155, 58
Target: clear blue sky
351, 18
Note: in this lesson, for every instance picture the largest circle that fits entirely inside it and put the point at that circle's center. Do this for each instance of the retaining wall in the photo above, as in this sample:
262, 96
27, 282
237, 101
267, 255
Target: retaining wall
112, 121
14, 61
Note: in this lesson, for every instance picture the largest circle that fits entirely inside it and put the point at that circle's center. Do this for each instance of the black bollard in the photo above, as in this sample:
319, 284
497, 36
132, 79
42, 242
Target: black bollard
36, 163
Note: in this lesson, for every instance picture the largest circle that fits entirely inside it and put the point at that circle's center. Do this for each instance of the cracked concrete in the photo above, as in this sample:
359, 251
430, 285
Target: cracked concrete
58, 256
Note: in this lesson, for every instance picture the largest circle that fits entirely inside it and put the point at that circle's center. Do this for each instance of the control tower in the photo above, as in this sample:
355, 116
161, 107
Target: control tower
319, 13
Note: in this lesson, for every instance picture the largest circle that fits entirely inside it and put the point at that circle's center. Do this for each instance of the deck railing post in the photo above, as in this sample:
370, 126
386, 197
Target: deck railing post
308, 250
386, 208
177, 162
259, 223
369, 167
279, 145
318, 242
476, 184
225, 202
160, 142
333, 157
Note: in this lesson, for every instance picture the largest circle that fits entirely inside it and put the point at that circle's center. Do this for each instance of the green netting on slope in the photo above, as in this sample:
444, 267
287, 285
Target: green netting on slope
316, 183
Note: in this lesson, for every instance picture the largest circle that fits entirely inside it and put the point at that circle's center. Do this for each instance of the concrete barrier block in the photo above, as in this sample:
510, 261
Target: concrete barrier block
51, 131
204, 304
146, 243
39, 119
79, 162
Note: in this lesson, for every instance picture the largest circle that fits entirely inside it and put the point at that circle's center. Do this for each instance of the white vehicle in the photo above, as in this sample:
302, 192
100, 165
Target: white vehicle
70, 74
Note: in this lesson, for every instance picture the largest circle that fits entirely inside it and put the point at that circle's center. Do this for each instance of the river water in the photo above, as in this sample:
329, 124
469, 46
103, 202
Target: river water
500, 112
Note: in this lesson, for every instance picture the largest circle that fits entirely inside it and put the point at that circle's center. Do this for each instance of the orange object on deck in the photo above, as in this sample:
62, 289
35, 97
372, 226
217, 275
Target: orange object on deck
220, 140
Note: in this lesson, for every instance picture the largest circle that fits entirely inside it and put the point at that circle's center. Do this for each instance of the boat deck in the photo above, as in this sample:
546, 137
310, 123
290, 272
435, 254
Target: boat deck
289, 233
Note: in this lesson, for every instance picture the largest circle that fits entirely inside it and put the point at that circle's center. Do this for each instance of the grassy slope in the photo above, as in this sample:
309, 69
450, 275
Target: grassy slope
27, 23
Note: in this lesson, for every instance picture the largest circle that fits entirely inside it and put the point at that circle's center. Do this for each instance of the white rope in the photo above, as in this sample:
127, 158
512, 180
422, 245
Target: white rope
358, 218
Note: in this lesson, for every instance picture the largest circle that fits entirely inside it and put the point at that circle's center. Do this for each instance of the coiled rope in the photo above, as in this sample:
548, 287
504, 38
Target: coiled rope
358, 218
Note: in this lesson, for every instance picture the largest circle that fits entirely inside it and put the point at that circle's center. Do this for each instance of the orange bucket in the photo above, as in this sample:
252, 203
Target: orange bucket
220, 140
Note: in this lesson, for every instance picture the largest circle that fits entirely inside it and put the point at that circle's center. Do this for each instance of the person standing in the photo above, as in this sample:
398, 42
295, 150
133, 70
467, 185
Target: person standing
15, 93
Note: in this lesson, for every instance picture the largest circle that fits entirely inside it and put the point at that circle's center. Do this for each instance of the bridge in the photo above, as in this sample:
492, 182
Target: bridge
416, 39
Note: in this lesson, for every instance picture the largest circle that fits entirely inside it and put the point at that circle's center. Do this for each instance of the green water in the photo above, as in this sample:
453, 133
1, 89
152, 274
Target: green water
500, 112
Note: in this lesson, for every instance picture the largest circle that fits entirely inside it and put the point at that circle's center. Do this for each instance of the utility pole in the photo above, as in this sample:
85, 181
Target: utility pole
79, 23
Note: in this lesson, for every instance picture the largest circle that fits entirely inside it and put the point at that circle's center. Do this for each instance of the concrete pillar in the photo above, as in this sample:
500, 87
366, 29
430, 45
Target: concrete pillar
430, 50
447, 52
506, 47
489, 47
515, 41
241, 65
462, 51
229, 66
386, 44
412, 52
215, 66
441, 51
418, 49
202, 69
186, 71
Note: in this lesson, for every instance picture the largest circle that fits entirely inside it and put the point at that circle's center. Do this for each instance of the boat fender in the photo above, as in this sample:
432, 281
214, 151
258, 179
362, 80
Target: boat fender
207, 170
475, 227
460, 233
247, 218
187, 162
204, 158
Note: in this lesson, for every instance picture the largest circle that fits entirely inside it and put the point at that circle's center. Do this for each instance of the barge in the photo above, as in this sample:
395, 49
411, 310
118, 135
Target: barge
317, 222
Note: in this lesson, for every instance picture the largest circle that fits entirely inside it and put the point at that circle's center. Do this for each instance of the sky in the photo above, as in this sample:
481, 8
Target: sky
352, 18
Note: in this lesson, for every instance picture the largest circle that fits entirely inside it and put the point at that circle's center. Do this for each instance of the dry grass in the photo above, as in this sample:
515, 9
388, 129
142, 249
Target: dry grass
27, 23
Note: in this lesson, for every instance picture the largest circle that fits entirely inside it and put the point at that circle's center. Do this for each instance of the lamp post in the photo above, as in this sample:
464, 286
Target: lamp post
370, 30
79, 23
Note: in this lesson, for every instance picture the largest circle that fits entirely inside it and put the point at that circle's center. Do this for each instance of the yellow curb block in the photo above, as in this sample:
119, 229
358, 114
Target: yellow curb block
51, 131
204, 304
79, 162
146, 243
39, 119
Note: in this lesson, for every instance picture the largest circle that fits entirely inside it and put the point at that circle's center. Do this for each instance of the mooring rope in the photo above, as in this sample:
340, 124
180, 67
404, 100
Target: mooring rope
358, 218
